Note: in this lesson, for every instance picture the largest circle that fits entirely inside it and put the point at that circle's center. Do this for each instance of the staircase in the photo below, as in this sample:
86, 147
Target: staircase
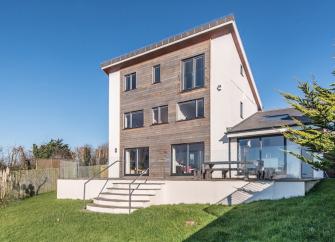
116, 199
246, 193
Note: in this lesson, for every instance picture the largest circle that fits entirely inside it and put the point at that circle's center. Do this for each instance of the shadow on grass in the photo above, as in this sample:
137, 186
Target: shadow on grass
308, 218
212, 232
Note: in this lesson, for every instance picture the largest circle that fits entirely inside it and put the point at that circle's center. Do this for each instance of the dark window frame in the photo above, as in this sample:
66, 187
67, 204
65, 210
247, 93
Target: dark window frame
137, 156
196, 109
159, 114
154, 80
194, 72
241, 110
131, 75
131, 119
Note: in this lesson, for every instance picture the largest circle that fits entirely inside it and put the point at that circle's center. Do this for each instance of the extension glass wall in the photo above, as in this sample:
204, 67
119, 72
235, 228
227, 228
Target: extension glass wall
273, 154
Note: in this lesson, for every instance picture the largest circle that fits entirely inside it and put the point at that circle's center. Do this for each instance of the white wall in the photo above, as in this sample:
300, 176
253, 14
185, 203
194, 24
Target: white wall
188, 192
74, 188
114, 123
225, 104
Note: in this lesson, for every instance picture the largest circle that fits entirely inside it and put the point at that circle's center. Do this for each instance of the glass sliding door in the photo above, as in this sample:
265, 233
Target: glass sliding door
136, 160
249, 149
293, 169
273, 155
268, 150
187, 158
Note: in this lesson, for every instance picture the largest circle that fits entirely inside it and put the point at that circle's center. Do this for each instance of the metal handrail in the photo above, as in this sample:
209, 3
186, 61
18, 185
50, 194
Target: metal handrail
132, 190
94, 176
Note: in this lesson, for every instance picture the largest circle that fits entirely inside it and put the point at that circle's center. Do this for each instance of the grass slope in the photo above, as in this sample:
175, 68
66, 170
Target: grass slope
44, 218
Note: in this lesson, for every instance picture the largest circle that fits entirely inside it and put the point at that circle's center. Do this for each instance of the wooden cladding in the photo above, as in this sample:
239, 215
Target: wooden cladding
146, 96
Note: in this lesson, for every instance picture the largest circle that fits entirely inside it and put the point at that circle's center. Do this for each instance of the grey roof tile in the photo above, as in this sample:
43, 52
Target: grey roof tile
269, 119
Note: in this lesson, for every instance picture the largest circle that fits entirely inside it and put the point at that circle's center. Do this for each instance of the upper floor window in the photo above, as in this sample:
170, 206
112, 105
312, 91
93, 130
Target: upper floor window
156, 74
241, 70
130, 82
133, 119
160, 115
241, 110
193, 72
190, 109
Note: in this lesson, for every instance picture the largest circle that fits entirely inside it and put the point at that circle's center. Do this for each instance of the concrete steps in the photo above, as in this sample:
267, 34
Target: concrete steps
115, 199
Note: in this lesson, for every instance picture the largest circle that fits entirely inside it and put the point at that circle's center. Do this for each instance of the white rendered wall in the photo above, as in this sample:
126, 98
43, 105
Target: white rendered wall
225, 104
114, 123
74, 188
188, 192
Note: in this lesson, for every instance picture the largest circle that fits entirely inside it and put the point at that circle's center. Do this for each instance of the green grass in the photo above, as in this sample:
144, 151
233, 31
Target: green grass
44, 218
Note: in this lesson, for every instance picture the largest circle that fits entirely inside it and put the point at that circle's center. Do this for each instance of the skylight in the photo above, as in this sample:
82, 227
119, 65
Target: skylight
278, 117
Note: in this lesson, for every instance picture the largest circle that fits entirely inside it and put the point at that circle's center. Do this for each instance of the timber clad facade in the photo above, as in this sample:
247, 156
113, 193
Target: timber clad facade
160, 137
170, 104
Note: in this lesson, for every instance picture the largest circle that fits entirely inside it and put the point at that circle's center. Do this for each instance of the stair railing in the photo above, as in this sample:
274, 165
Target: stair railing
131, 191
94, 176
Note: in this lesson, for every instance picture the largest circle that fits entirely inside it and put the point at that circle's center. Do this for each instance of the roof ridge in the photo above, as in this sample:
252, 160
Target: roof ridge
277, 109
170, 39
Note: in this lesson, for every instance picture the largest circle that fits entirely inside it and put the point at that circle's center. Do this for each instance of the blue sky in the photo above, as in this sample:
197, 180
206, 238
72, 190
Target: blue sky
50, 51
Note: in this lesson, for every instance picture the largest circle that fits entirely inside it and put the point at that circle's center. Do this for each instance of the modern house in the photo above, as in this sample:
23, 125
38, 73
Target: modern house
186, 125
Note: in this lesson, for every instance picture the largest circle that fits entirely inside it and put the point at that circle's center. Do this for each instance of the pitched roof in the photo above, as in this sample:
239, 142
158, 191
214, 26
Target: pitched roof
203, 32
169, 40
269, 119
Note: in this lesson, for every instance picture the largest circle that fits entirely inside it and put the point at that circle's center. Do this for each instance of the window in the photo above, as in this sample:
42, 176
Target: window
241, 110
190, 109
193, 73
156, 74
241, 70
133, 119
130, 82
187, 158
278, 117
136, 160
160, 115
270, 150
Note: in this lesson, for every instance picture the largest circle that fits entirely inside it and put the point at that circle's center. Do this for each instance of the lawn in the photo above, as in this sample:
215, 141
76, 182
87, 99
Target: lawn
44, 218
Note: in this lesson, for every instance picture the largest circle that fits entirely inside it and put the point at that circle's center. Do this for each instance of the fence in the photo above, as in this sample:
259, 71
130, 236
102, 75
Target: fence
72, 170
22, 183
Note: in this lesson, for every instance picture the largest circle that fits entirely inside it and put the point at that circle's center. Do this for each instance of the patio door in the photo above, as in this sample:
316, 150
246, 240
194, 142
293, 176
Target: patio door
136, 160
187, 158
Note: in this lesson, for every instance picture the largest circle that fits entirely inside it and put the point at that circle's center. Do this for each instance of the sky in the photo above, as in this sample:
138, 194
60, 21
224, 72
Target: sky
51, 85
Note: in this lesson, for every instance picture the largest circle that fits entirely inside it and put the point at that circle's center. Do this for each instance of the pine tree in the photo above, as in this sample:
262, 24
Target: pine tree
318, 136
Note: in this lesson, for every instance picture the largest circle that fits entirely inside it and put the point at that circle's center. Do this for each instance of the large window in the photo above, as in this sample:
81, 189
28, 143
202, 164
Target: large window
193, 72
190, 109
273, 154
160, 115
133, 119
156, 74
269, 149
275, 157
136, 160
130, 82
187, 158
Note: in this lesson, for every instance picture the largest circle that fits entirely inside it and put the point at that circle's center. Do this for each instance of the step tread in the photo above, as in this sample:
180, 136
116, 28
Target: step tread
108, 206
126, 194
136, 183
119, 200
123, 188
